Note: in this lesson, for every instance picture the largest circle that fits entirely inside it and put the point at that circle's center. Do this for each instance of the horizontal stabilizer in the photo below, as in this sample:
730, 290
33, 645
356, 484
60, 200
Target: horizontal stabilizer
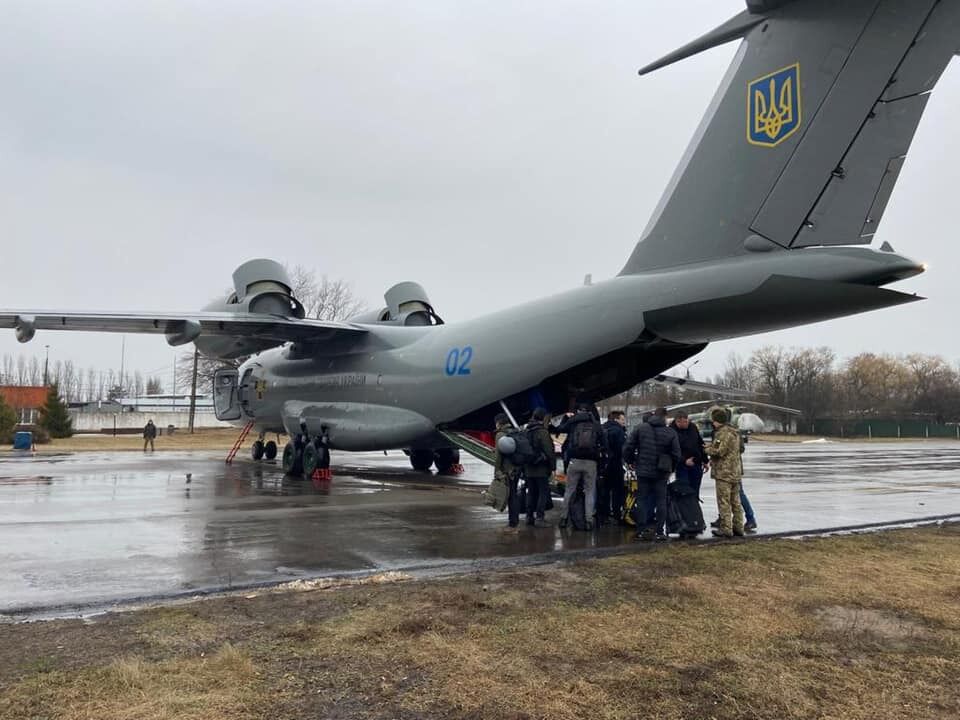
779, 303
733, 29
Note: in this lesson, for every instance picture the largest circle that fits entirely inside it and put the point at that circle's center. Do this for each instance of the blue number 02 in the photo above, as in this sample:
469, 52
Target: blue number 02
458, 361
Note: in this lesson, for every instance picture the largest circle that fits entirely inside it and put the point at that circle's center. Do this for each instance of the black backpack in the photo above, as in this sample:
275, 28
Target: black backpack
524, 454
583, 445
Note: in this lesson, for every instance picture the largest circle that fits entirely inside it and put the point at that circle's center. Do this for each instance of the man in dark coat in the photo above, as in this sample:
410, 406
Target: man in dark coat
612, 493
651, 447
587, 450
693, 459
149, 435
538, 473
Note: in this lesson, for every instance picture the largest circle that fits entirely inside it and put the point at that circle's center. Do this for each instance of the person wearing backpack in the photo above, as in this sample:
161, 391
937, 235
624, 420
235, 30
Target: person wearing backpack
653, 451
538, 471
504, 469
612, 493
587, 450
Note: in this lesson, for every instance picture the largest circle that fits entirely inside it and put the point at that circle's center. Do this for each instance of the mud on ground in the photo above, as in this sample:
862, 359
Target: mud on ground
853, 627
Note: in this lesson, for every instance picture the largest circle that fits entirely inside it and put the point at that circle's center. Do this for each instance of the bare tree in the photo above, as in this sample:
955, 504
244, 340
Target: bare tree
325, 299
154, 386
738, 373
91, 385
8, 365
67, 380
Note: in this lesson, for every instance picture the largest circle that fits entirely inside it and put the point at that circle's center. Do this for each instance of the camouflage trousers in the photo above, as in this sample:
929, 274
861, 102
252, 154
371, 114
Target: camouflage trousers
729, 507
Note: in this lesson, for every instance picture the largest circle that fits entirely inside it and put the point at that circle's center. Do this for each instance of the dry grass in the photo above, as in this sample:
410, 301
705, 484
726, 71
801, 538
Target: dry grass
849, 628
223, 685
207, 439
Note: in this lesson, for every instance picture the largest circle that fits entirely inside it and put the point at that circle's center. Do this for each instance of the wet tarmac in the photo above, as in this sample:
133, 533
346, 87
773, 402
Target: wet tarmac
97, 528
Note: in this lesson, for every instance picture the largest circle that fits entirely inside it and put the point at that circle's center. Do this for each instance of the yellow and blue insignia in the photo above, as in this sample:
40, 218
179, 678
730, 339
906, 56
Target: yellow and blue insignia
773, 107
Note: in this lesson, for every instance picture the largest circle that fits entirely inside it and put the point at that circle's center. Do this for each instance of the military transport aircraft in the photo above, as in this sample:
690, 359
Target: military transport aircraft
789, 172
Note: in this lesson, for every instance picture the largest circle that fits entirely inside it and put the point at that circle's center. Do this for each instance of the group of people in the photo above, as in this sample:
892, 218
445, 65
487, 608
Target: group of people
596, 458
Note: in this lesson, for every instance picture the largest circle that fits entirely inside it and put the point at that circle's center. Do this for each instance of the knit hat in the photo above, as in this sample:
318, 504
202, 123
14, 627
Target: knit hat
719, 415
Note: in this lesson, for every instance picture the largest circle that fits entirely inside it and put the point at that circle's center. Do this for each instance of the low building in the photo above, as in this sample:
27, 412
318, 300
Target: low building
26, 400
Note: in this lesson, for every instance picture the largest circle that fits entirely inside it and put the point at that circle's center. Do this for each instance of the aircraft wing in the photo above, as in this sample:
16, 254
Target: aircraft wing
180, 328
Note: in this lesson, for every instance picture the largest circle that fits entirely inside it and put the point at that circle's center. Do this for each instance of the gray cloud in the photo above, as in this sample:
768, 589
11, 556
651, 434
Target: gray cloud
493, 152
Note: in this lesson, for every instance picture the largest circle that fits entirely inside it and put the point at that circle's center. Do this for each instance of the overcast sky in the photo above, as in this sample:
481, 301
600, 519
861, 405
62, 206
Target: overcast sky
493, 151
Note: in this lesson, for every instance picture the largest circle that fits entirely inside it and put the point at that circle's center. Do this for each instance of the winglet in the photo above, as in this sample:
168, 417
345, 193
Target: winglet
733, 29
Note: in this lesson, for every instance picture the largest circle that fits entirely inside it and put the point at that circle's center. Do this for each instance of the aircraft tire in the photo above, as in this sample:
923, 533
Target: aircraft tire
421, 459
292, 460
270, 450
257, 450
445, 459
311, 460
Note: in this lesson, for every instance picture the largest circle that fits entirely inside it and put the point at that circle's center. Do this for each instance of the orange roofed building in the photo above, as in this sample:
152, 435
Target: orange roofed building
25, 400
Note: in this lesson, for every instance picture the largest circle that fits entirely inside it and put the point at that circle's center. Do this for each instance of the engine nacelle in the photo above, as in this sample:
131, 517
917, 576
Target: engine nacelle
25, 328
407, 304
260, 286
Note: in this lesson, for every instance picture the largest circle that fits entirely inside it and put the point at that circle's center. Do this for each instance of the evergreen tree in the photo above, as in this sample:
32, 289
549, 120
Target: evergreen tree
54, 417
8, 420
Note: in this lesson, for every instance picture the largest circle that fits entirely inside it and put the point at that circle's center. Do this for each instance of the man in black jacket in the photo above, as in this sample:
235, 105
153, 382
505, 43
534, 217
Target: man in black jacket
539, 471
587, 449
693, 459
611, 493
651, 448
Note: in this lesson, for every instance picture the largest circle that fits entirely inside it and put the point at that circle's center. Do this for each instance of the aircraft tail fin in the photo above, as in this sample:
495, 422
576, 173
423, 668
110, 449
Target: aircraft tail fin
807, 134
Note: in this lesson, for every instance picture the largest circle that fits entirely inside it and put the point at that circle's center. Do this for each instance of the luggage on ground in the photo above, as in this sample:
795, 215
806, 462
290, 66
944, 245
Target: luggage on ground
577, 512
630, 505
684, 516
497, 494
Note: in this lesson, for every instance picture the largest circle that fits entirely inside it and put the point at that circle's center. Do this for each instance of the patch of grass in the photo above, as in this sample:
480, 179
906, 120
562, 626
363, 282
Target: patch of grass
223, 685
858, 627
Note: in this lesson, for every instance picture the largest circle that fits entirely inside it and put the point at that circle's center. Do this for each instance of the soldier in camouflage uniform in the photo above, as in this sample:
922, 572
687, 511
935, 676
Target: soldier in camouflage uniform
505, 470
727, 471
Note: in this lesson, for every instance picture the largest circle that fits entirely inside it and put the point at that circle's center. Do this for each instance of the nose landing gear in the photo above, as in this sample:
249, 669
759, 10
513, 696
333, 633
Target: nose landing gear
261, 450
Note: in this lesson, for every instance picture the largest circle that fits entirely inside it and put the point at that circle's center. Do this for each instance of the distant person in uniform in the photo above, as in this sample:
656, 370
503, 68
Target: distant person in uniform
505, 470
587, 448
692, 455
149, 435
727, 471
612, 493
539, 471
653, 451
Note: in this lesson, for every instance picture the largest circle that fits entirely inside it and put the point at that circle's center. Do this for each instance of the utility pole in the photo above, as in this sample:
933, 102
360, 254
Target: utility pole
123, 356
193, 389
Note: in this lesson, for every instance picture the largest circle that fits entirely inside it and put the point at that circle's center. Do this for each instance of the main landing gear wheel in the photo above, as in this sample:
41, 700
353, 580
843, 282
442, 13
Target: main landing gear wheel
311, 460
292, 460
257, 450
421, 459
446, 460
270, 450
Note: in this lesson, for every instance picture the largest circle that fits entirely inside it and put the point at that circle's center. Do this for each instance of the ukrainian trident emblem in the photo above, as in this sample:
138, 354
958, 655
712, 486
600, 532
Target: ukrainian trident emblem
773, 107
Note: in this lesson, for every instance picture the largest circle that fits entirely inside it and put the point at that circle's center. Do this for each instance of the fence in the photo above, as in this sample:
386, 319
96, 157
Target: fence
883, 429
